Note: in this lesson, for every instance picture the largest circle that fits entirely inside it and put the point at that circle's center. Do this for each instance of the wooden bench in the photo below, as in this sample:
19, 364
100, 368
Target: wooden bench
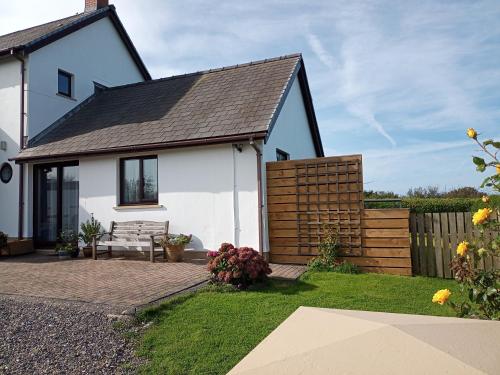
132, 234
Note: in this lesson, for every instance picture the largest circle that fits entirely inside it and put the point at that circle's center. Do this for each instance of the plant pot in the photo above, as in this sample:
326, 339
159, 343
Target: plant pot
87, 251
175, 253
63, 255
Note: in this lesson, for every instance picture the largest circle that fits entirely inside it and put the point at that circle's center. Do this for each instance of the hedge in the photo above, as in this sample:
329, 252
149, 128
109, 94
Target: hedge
421, 205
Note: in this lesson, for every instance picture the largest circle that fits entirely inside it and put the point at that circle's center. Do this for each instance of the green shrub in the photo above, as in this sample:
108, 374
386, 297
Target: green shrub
3, 240
346, 267
328, 250
421, 205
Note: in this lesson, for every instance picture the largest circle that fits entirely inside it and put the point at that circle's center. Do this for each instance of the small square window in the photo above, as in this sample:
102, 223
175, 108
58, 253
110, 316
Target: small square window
282, 155
64, 83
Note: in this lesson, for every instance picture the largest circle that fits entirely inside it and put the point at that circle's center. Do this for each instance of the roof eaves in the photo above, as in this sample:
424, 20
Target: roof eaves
129, 44
300, 73
311, 114
284, 95
20, 159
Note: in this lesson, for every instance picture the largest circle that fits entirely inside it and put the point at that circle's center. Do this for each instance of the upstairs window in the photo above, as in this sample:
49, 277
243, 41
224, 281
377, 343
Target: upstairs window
65, 83
282, 155
139, 180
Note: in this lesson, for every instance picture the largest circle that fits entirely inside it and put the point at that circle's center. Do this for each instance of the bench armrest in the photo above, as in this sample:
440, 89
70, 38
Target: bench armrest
100, 235
158, 235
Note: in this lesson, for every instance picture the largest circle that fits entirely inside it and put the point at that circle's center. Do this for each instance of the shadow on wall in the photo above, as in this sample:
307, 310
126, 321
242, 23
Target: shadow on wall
9, 192
123, 108
12, 147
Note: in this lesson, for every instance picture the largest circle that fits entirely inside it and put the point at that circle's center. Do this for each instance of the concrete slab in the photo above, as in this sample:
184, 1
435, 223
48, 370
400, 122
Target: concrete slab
330, 341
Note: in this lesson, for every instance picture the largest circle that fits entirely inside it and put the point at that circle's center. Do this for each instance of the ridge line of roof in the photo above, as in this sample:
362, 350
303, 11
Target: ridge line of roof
84, 16
207, 71
42, 24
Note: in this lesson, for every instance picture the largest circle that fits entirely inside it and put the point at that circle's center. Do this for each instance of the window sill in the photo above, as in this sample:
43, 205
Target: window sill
137, 207
66, 97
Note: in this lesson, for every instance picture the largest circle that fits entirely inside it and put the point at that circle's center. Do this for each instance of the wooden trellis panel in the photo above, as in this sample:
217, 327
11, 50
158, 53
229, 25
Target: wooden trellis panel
304, 195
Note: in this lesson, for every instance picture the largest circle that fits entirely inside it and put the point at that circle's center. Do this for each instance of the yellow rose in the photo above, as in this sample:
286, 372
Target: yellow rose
485, 199
441, 296
462, 248
498, 168
481, 216
471, 133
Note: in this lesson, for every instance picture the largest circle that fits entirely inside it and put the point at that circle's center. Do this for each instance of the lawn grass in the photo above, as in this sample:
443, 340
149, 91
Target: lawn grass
208, 332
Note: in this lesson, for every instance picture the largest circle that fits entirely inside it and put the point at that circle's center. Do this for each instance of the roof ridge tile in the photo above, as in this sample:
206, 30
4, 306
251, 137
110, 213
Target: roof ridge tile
207, 71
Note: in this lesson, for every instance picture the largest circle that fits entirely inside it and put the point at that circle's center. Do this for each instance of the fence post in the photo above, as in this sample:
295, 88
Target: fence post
414, 248
438, 246
431, 265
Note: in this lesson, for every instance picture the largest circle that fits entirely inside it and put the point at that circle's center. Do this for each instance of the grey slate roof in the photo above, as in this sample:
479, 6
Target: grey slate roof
23, 37
233, 101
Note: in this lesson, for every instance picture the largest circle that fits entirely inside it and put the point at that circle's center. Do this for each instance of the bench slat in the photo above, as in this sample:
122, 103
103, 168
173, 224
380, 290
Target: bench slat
133, 235
125, 244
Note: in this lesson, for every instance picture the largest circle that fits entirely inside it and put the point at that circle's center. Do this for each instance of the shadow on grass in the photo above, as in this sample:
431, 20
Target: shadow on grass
153, 312
283, 287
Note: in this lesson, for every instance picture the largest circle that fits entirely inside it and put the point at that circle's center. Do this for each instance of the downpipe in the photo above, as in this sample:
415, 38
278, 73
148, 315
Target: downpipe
20, 224
258, 153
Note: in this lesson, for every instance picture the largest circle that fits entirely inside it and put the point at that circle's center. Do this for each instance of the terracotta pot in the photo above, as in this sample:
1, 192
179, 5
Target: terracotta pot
175, 253
87, 251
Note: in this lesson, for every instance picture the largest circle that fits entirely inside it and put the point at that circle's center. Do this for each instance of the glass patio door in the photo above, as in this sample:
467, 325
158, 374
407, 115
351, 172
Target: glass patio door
56, 202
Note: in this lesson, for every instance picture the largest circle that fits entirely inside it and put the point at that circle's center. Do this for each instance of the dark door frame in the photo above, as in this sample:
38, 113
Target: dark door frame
38, 243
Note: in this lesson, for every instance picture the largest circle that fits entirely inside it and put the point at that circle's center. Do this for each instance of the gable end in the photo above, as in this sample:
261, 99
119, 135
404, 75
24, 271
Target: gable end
300, 74
108, 11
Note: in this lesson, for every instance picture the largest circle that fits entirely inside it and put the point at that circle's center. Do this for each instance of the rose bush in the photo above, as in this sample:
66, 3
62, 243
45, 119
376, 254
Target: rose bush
237, 266
481, 287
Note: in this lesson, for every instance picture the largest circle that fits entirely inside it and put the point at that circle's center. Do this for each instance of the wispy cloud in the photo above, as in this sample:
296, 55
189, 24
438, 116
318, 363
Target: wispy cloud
397, 81
358, 107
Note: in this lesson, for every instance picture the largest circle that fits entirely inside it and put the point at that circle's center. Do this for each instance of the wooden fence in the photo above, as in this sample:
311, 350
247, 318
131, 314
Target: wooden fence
303, 195
386, 241
434, 239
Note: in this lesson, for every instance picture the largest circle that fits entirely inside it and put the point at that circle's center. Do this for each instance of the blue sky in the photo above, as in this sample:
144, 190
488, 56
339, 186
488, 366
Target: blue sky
398, 82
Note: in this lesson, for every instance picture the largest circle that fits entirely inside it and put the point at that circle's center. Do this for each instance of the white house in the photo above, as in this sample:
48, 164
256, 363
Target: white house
190, 149
45, 71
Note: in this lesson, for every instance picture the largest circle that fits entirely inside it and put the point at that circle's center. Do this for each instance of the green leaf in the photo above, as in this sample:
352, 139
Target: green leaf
478, 161
488, 142
481, 168
485, 181
491, 291
496, 144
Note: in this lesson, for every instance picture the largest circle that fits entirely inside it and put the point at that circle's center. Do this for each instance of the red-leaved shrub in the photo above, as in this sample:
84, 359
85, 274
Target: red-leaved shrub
237, 266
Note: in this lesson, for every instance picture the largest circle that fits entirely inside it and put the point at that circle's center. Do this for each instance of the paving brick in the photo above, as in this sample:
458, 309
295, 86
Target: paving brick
117, 282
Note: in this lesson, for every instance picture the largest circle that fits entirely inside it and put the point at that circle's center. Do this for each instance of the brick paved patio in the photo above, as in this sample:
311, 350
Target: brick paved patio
119, 283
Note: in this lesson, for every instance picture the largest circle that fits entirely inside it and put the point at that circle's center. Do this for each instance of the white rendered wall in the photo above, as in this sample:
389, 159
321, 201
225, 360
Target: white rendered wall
291, 134
93, 53
291, 131
198, 192
10, 104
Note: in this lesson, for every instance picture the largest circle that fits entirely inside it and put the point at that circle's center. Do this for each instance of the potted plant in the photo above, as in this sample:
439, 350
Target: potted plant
174, 245
68, 245
88, 230
3, 241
